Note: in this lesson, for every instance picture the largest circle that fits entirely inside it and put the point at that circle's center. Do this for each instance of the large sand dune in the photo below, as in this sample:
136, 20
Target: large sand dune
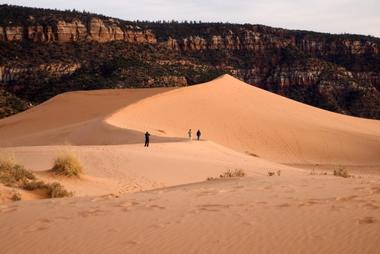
178, 211
227, 111
252, 120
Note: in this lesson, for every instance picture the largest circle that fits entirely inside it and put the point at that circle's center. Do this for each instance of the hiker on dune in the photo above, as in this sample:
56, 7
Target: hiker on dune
189, 133
198, 134
147, 135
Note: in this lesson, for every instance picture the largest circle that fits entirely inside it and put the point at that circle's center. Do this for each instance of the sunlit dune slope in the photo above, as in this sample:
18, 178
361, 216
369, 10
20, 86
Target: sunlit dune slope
248, 119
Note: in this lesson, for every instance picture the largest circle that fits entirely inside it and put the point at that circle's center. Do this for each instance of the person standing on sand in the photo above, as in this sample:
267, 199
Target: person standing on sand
189, 133
198, 135
147, 135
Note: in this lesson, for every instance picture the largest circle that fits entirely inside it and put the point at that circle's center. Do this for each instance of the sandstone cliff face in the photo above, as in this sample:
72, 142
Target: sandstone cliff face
63, 31
13, 33
259, 42
71, 31
260, 38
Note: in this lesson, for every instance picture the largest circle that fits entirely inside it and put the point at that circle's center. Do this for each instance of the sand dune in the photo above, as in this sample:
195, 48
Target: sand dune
287, 214
130, 168
73, 118
228, 111
249, 119
133, 199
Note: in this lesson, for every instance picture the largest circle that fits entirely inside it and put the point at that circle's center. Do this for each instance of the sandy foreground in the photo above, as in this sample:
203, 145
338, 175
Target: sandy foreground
133, 199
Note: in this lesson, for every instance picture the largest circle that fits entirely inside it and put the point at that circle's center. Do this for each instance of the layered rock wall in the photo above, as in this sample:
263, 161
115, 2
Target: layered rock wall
63, 31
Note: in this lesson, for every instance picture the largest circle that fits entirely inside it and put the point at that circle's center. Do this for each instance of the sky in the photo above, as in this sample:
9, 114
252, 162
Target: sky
333, 16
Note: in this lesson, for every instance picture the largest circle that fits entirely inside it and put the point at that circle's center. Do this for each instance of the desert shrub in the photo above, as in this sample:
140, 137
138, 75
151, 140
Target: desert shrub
233, 173
34, 185
13, 174
341, 172
53, 190
229, 174
16, 196
56, 190
68, 165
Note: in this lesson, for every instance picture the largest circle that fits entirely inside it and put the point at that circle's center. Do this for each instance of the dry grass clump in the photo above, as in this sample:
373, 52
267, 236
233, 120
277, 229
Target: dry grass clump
233, 173
272, 173
13, 174
56, 190
341, 172
16, 196
53, 190
313, 172
33, 185
229, 174
67, 165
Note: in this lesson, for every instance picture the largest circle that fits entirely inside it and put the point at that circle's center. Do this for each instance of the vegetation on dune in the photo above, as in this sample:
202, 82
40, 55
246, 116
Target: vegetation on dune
16, 176
229, 174
13, 174
16, 196
68, 165
341, 172
233, 173
272, 173
56, 190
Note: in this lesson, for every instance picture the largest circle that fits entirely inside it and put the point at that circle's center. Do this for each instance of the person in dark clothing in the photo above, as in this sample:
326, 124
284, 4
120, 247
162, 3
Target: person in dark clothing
147, 135
198, 134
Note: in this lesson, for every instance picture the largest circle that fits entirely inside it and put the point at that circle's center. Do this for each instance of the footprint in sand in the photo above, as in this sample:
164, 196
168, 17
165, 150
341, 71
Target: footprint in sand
7, 209
309, 202
127, 206
207, 193
371, 206
40, 225
284, 205
366, 220
261, 203
212, 207
348, 198
157, 207
91, 212
132, 242
375, 190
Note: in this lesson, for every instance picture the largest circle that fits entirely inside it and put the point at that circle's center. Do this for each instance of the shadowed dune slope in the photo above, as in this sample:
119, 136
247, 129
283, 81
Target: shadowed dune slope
74, 118
248, 119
